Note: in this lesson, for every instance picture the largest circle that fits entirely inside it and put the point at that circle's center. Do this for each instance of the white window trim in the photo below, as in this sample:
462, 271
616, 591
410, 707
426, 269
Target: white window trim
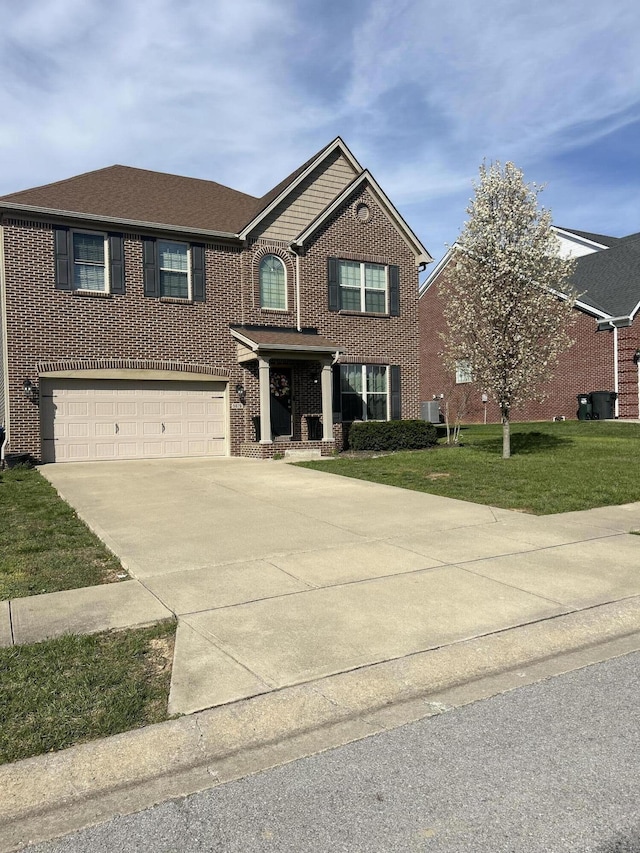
286, 284
107, 278
161, 269
364, 395
363, 289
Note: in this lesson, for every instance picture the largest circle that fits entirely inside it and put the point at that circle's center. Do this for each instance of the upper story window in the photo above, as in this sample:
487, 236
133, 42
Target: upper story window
90, 261
363, 287
173, 268
273, 283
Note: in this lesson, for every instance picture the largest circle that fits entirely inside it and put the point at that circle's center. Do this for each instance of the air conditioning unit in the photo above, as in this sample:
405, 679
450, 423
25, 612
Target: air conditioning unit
430, 411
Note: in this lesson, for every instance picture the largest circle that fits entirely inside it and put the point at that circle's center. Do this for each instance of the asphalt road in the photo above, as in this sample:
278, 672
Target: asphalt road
551, 767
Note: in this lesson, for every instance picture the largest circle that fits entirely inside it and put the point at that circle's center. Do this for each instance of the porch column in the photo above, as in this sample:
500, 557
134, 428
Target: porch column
326, 379
265, 401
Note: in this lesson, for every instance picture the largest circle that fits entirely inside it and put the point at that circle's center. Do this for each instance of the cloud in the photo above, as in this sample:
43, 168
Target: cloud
243, 91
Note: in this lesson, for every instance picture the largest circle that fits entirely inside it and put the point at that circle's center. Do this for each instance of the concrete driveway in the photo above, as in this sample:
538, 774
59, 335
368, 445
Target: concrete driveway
281, 575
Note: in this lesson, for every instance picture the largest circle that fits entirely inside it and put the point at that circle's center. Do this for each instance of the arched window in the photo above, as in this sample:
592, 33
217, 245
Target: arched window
273, 283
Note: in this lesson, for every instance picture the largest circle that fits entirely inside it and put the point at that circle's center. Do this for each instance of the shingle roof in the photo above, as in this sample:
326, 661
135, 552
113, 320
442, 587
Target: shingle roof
122, 192
603, 239
281, 338
139, 195
610, 280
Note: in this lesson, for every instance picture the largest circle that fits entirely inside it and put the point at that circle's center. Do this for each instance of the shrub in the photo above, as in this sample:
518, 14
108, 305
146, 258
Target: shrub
391, 435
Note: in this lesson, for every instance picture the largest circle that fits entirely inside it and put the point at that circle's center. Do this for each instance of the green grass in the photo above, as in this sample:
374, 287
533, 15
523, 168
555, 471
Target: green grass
555, 467
76, 688
44, 547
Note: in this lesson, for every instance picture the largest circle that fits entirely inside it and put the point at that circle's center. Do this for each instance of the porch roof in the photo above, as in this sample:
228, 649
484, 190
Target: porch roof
264, 339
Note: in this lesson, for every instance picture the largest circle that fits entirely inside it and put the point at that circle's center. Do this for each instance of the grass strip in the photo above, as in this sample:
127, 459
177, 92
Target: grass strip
555, 467
44, 546
77, 688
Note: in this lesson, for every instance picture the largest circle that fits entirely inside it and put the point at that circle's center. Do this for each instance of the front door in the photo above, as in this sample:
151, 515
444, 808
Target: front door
280, 384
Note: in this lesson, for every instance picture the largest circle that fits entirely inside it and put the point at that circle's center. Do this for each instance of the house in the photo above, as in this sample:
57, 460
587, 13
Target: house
606, 351
148, 315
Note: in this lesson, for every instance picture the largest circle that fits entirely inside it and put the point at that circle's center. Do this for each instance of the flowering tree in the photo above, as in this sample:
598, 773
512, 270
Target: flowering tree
509, 301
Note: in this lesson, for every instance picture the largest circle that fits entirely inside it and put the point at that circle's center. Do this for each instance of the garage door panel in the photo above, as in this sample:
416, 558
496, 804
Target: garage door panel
126, 428
126, 420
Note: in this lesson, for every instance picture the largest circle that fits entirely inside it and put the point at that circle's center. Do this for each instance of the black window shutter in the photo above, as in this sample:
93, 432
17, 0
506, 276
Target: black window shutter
394, 291
396, 402
197, 272
150, 267
116, 263
64, 273
337, 395
334, 284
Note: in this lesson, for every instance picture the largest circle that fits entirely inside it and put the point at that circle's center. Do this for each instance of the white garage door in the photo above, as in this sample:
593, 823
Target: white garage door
85, 420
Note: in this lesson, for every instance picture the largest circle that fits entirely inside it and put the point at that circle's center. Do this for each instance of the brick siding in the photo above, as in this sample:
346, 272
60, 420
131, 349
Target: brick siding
588, 365
48, 326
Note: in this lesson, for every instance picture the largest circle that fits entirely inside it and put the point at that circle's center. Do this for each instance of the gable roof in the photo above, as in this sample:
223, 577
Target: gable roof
277, 195
607, 281
610, 280
139, 197
422, 255
600, 239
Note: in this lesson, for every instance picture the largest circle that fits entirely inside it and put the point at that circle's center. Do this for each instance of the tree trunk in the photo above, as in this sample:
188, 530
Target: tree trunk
506, 433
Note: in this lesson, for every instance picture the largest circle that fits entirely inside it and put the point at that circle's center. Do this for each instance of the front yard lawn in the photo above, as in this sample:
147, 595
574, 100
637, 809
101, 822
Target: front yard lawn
555, 467
44, 546
77, 688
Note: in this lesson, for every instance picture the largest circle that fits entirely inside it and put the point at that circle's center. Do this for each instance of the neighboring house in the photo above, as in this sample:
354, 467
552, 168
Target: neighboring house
606, 331
148, 315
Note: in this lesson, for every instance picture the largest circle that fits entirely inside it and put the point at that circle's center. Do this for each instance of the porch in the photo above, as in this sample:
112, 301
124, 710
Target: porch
287, 393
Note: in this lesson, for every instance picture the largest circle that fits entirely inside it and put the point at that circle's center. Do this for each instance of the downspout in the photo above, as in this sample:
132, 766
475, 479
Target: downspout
4, 355
615, 370
294, 251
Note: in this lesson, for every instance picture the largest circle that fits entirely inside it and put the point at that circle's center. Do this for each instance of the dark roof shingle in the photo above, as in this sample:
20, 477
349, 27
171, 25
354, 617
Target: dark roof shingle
122, 192
610, 280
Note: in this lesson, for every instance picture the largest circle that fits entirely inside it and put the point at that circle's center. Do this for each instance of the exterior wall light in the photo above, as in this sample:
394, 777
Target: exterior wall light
30, 391
636, 357
242, 394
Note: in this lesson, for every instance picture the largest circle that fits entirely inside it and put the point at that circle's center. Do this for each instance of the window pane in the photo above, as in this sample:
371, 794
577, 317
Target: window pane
352, 407
88, 277
376, 379
375, 276
377, 407
272, 283
374, 300
463, 372
349, 274
174, 284
173, 256
350, 299
88, 247
351, 378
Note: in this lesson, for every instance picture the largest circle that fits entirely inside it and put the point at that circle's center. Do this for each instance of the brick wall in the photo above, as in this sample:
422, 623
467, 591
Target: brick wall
49, 325
587, 366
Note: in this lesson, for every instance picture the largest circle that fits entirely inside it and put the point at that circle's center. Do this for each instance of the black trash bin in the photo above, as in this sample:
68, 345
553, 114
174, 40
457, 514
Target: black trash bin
603, 405
584, 407
256, 427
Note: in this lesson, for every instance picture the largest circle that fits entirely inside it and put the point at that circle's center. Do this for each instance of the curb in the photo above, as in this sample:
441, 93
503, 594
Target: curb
51, 795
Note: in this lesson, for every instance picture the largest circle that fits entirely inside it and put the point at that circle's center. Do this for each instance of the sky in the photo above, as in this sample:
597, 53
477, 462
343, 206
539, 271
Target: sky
422, 91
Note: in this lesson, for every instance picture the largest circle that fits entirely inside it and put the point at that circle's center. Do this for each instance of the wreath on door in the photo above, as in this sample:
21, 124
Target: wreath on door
279, 384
